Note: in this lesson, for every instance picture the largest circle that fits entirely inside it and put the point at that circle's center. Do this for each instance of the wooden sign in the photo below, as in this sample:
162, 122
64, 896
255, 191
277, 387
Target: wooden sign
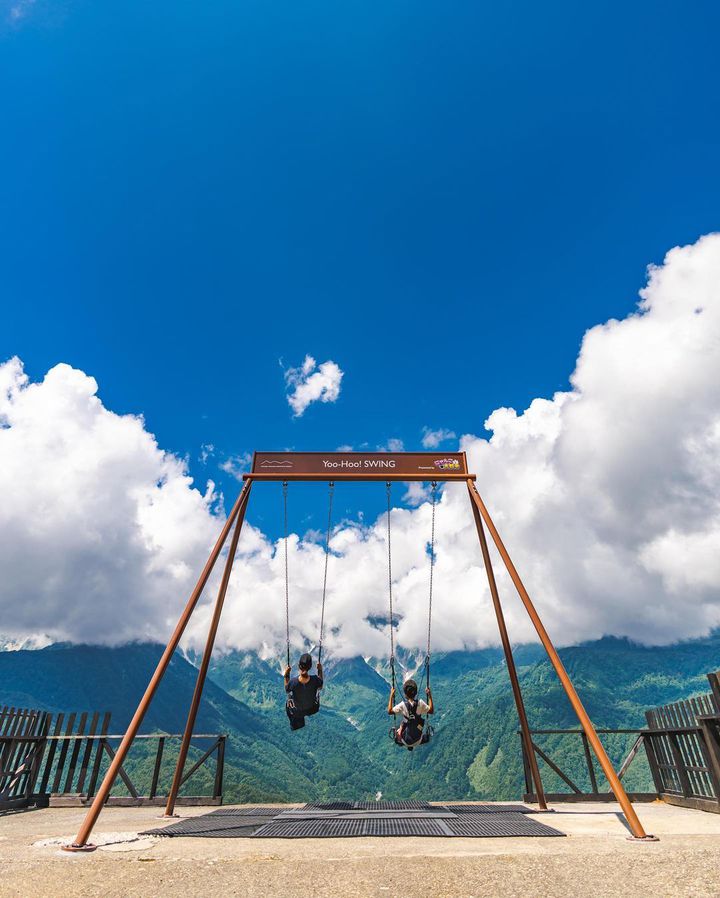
360, 465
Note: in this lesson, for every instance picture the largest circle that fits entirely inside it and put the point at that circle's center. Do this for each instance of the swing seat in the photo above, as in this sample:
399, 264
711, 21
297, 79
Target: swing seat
296, 716
428, 733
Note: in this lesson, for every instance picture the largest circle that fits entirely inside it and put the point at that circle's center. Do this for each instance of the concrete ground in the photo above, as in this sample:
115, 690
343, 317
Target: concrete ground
595, 861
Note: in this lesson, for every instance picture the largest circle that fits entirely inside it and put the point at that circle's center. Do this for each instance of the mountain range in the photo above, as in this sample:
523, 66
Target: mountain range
344, 752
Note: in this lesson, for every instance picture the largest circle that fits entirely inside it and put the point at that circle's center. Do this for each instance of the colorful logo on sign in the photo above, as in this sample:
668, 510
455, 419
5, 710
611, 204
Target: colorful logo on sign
447, 464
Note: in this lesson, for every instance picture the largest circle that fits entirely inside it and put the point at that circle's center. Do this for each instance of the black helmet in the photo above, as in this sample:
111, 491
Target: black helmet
305, 662
410, 688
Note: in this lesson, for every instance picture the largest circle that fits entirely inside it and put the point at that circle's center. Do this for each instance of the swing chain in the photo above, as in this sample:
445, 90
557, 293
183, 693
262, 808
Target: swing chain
327, 555
430, 594
287, 579
388, 488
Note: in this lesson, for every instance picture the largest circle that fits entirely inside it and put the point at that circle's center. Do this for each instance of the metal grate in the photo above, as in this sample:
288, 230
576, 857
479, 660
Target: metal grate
392, 806
406, 828
212, 825
473, 821
498, 825
232, 832
330, 806
246, 812
488, 809
310, 829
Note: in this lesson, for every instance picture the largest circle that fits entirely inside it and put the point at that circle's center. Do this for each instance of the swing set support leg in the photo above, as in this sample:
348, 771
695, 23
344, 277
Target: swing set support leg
636, 828
207, 654
81, 840
509, 660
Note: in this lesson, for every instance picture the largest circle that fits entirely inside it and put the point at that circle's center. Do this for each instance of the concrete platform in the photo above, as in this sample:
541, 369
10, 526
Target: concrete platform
596, 860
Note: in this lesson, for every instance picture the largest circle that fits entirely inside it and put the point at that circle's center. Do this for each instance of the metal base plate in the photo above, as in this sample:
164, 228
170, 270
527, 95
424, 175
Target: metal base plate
234, 826
489, 809
339, 819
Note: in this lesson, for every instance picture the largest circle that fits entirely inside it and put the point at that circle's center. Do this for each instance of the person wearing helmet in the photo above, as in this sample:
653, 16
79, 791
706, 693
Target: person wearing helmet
303, 692
412, 730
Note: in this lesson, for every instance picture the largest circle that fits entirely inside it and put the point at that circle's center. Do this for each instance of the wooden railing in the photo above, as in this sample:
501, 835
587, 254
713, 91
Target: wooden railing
23, 733
683, 748
681, 743
61, 761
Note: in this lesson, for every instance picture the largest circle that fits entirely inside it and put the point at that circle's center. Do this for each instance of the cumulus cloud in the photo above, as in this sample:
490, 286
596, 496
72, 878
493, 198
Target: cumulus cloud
432, 438
236, 465
416, 493
392, 445
101, 532
312, 383
607, 496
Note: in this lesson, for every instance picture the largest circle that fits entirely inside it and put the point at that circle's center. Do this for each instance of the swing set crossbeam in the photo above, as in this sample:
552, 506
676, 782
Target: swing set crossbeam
336, 477
359, 466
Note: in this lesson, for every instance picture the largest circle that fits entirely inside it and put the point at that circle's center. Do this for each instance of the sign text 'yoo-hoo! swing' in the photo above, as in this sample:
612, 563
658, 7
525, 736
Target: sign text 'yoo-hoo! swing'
363, 465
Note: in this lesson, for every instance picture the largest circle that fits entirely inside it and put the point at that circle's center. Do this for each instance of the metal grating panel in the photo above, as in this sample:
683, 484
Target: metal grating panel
232, 832
211, 825
330, 806
488, 809
498, 825
392, 806
310, 829
406, 828
247, 812
472, 821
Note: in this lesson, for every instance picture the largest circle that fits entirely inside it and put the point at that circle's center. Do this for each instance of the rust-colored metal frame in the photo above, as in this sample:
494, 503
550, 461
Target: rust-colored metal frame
236, 519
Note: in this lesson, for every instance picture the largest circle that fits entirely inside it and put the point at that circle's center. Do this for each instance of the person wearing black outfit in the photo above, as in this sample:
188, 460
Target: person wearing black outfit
303, 692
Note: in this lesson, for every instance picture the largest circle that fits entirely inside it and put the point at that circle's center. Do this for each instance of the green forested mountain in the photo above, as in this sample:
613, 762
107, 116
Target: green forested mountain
345, 752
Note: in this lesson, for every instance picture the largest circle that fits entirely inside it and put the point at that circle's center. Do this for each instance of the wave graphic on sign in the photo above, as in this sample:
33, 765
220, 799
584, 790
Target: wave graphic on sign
270, 463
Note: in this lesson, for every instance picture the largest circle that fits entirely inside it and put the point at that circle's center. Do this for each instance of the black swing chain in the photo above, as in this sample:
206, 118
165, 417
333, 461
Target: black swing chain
287, 579
390, 593
327, 555
430, 594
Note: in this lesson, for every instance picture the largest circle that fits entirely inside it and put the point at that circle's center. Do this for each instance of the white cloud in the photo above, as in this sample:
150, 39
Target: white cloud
20, 10
101, 532
312, 383
236, 465
416, 493
432, 438
607, 496
207, 450
392, 445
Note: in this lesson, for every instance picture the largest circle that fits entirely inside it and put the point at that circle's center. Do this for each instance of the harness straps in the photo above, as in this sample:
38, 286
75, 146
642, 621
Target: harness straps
327, 556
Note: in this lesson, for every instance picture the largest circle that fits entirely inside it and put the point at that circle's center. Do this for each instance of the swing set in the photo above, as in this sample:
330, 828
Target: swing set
334, 467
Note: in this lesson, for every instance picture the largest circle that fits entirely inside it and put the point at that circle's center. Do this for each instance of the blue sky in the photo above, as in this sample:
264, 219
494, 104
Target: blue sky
441, 198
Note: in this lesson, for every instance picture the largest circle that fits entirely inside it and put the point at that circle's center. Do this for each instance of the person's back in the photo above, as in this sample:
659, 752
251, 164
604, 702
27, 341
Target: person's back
303, 692
412, 730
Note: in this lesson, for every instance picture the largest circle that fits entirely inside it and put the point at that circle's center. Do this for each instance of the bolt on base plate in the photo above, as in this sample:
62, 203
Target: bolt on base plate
88, 846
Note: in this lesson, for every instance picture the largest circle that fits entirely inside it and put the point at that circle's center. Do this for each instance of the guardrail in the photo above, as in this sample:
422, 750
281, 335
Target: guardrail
576, 792
681, 743
684, 750
46, 763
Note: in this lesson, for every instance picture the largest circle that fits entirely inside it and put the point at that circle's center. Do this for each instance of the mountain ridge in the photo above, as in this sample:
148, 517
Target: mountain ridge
344, 752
